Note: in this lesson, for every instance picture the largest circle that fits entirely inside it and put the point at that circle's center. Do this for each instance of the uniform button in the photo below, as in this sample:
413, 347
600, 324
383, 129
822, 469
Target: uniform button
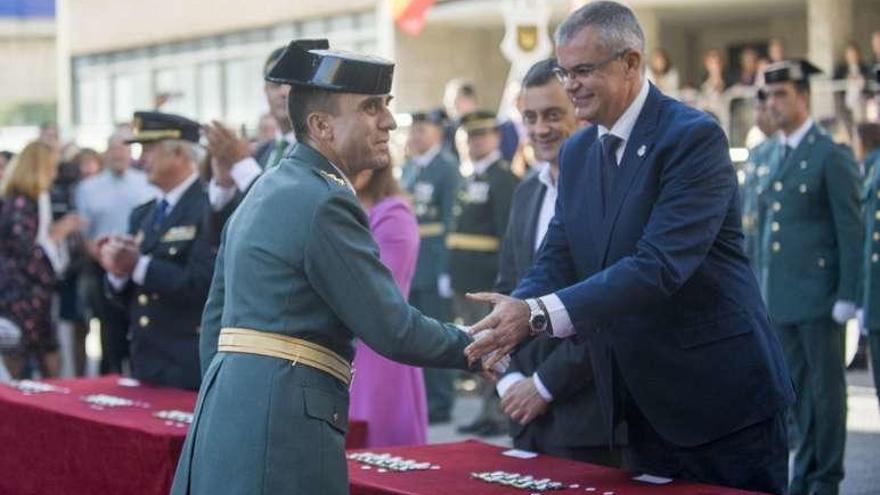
875, 258
777, 186
878, 194
154, 296
821, 262
877, 214
143, 299
776, 247
802, 188
335, 417
774, 226
877, 236
172, 251
778, 206
803, 164
143, 321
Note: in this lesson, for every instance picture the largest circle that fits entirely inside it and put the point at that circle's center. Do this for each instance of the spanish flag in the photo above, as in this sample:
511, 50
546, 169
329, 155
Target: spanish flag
409, 15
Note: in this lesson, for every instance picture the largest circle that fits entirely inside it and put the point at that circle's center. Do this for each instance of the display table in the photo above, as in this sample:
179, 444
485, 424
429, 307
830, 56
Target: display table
458, 460
57, 443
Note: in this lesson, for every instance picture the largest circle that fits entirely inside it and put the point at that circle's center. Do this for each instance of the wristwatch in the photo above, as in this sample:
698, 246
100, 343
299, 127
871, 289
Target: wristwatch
539, 319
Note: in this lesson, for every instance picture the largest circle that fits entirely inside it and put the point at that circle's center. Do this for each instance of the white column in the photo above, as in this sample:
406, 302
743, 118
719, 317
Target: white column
650, 25
829, 26
64, 100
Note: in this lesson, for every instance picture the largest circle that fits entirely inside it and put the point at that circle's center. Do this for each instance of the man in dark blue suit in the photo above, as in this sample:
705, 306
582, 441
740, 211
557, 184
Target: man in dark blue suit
644, 261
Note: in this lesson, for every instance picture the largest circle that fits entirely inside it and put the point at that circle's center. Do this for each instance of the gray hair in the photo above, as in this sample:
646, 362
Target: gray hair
618, 27
194, 152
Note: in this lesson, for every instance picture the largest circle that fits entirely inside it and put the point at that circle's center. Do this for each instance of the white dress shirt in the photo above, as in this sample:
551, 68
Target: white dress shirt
560, 321
482, 164
548, 205
140, 269
794, 139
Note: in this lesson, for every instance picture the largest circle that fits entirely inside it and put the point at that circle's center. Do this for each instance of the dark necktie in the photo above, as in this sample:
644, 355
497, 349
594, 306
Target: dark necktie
161, 214
786, 152
278, 153
609, 143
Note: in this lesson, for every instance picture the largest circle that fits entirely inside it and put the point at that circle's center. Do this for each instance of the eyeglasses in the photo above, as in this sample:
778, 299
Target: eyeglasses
584, 71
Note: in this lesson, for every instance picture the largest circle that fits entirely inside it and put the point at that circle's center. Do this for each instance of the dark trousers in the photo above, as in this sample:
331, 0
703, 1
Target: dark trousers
814, 353
114, 322
753, 458
439, 383
536, 441
874, 351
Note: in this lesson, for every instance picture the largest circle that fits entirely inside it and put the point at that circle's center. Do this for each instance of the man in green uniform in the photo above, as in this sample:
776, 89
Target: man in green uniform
431, 177
297, 278
869, 316
810, 259
755, 173
479, 223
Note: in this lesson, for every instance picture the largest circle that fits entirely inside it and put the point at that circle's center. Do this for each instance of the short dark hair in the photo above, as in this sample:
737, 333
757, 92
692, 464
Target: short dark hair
540, 73
468, 90
304, 100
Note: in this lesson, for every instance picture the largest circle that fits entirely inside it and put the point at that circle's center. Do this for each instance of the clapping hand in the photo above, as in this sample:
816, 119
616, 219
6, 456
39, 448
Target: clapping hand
226, 149
118, 254
506, 326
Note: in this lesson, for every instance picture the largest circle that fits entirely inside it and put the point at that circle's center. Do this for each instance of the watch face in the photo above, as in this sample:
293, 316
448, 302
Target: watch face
539, 321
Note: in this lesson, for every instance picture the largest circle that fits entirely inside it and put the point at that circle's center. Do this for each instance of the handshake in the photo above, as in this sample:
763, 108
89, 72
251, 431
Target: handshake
499, 366
117, 254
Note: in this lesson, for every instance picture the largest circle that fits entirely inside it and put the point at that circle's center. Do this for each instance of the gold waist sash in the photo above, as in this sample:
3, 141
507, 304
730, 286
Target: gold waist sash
472, 242
298, 351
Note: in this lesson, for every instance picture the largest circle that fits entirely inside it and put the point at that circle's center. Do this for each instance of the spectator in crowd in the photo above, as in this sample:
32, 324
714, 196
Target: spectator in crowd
50, 135
267, 131
875, 47
390, 396
88, 162
776, 50
5, 158
756, 171
106, 200
31, 257
431, 177
748, 67
459, 99
160, 272
852, 67
662, 73
715, 82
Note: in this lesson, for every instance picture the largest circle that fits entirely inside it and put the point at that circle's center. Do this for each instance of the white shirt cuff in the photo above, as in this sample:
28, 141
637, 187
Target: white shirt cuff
508, 381
140, 270
559, 319
244, 172
220, 196
542, 390
117, 283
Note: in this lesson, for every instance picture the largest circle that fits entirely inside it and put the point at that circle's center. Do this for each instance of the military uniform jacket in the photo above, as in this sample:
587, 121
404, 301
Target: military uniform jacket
297, 259
812, 229
165, 312
479, 223
871, 260
433, 189
756, 170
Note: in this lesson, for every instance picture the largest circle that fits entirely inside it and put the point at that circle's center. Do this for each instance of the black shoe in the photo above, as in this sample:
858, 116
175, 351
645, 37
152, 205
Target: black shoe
473, 428
492, 429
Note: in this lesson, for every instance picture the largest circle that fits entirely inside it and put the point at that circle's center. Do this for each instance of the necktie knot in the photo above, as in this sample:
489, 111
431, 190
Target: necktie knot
610, 142
161, 213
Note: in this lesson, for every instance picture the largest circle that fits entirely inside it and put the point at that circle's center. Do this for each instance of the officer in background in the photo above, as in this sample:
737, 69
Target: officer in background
479, 223
161, 271
431, 177
755, 173
548, 392
298, 277
810, 257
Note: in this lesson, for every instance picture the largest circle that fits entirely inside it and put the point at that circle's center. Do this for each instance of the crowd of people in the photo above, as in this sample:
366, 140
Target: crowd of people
685, 338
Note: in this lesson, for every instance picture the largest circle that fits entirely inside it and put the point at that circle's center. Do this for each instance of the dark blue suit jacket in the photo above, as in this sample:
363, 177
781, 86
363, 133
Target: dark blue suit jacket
661, 283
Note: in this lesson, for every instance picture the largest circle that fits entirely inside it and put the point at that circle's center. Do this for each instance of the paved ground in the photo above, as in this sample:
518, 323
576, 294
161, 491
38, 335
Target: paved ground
862, 462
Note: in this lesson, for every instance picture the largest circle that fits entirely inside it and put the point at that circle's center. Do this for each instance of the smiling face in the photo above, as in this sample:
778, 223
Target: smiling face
361, 131
548, 117
601, 82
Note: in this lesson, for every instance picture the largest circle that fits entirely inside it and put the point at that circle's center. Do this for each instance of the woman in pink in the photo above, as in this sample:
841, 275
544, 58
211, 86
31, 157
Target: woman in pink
389, 396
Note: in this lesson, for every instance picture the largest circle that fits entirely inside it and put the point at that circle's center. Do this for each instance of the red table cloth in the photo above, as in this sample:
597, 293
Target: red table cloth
54, 443
458, 460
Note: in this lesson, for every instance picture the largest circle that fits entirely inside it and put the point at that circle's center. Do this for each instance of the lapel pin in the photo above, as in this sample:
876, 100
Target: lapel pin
641, 150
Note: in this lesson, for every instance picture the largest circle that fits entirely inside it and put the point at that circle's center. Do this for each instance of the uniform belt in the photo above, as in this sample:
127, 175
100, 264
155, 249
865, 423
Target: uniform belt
431, 229
472, 242
298, 351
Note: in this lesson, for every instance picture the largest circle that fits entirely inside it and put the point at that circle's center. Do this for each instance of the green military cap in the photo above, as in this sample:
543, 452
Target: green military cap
275, 56
436, 116
311, 63
479, 121
156, 126
796, 71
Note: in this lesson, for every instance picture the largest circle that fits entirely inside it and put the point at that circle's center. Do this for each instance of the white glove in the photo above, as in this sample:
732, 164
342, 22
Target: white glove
444, 286
843, 311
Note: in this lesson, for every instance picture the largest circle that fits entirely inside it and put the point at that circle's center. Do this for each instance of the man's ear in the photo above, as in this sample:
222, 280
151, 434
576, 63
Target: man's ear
633, 61
320, 126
